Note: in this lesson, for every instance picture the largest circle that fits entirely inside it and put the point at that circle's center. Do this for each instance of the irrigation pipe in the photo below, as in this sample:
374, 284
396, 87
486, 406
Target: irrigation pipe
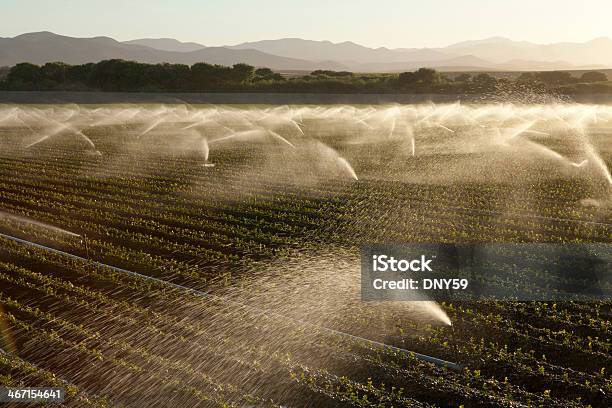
201, 294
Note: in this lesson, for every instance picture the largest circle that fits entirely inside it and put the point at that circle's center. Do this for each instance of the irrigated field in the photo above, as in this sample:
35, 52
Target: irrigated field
263, 210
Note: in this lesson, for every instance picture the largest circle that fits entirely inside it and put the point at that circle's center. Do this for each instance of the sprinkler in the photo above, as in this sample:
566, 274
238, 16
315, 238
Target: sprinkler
201, 294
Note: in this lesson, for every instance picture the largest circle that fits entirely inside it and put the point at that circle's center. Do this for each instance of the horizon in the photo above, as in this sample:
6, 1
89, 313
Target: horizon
392, 24
493, 37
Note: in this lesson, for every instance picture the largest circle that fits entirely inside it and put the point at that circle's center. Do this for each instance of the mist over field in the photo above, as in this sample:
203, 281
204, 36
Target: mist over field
201, 255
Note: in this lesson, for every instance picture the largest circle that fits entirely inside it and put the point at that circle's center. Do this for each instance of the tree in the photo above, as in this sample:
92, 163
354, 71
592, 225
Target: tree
3, 73
463, 78
79, 73
426, 76
527, 78
118, 75
264, 72
167, 76
555, 77
54, 73
484, 79
422, 77
24, 75
406, 79
208, 76
593, 76
242, 73
181, 76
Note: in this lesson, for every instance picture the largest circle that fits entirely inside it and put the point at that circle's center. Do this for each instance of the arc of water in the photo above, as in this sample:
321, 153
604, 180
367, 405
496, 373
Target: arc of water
26, 220
205, 148
347, 166
11, 113
443, 127
582, 163
279, 137
596, 158
152, 126
202, 294
122, 117
592, 154
297, 126
243, 133
60, 127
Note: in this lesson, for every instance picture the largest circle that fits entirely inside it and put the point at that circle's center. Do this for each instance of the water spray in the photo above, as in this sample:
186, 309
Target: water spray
514, 123
279, 137
26, 220
202, 294
346, 165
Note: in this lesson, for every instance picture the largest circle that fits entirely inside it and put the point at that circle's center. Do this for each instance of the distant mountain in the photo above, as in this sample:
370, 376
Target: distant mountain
501, 50
496, 41
167, 44
495, 53
345, 52
45, 46
42, 47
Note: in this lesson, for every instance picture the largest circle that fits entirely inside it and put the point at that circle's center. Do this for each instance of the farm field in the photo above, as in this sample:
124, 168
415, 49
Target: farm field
250, 219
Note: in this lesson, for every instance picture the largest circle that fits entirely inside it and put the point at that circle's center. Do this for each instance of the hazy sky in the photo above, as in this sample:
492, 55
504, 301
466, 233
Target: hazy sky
390, 23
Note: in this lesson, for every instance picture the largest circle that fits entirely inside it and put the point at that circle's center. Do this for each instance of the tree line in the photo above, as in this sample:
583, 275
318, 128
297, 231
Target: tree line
121, 75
